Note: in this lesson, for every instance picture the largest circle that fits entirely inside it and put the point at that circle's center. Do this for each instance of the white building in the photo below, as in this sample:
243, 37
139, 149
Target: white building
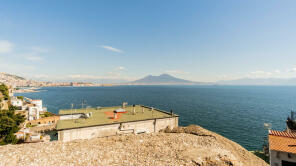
282, 148
38, 103
16, 102
105, 121
33, 112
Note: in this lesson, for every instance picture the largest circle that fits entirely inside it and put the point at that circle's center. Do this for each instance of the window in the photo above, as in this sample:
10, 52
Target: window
289, 155
288, 163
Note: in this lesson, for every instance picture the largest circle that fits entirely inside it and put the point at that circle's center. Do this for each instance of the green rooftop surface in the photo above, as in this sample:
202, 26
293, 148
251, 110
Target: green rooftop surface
104, 115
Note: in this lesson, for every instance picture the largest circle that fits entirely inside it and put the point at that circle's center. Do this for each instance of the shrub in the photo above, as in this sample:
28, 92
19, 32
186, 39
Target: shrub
9, 124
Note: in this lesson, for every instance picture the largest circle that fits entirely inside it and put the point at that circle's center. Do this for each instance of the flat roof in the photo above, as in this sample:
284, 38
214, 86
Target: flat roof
282, 141
105, 116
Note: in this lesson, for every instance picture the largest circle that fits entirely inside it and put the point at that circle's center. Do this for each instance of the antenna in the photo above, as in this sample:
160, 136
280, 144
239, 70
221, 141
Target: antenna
134, 110
152, 111
72, 110
82, 103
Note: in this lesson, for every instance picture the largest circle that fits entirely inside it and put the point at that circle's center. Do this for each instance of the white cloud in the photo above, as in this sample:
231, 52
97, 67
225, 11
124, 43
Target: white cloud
119, 68
97, 77
83, 76
292, 70
259, 72
5, 46
15, 67
41, 76
112, 49
33, 54
38, 49
32, 57
277, 71
176, 72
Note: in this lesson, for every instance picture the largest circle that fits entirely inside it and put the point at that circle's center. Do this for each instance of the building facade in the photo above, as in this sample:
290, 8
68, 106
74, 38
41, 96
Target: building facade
136, 127
38, 104
33, 112
282, 148
17, 102
106, 122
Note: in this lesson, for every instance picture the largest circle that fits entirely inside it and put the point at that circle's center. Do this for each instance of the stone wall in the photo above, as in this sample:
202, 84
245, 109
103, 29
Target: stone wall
137, 127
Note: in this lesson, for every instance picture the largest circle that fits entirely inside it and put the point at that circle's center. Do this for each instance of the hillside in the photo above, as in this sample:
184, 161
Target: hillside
162, 79
14, 80
191, 145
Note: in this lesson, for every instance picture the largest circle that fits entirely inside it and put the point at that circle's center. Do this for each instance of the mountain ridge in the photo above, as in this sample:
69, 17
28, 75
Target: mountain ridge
162, 79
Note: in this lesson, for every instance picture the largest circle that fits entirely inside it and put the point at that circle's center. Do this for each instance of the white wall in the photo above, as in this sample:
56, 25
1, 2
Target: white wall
38, 103
276, 157
17, 102
67, 117
147, 126
33, 113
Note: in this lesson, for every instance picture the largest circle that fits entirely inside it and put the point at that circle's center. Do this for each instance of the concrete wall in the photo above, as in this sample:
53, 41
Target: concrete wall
67, 117
147, 126
46, 120
276, 157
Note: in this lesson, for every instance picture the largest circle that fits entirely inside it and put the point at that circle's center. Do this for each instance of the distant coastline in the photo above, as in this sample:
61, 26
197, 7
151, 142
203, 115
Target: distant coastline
27, 90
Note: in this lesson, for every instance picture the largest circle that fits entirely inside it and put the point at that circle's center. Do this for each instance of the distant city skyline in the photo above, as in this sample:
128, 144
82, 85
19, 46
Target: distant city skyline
202, 41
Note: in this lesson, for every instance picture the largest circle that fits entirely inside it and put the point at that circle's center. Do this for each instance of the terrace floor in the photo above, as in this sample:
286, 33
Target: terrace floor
105, 115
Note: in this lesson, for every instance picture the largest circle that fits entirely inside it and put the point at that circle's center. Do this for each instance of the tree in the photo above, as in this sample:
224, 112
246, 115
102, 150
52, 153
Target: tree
9, 124
5, 91
20, 97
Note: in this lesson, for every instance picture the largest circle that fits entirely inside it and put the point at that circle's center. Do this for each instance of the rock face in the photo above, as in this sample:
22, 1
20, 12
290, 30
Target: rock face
191, 145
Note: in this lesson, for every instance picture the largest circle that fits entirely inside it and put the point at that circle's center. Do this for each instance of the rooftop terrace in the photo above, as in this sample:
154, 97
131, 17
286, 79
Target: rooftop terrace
105, 115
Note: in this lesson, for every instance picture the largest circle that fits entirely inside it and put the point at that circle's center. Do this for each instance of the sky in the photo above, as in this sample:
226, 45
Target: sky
126, 40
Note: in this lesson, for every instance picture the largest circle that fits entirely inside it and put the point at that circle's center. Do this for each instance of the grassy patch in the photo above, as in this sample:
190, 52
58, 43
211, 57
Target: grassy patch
47, 114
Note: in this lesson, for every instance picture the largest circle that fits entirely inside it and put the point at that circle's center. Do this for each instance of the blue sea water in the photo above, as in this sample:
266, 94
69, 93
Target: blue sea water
236, 112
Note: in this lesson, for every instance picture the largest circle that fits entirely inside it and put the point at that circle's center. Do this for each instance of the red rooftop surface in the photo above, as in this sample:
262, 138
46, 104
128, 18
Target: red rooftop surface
282, 141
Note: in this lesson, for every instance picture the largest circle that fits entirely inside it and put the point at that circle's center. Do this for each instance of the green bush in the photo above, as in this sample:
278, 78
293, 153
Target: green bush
12, 108
5, 91
20, 97
9, 124
46, 114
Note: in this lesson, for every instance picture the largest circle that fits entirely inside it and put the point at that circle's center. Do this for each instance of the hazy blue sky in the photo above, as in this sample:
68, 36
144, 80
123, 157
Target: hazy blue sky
196, 40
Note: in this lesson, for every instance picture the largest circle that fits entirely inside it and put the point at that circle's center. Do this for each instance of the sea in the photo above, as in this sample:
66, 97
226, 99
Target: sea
236, 112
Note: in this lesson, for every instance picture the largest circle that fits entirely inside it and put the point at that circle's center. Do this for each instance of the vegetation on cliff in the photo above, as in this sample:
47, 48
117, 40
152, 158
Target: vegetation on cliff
4, 91
9, 121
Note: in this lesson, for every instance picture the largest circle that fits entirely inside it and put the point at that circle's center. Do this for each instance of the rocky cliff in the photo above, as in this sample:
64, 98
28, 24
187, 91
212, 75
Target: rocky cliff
191, 145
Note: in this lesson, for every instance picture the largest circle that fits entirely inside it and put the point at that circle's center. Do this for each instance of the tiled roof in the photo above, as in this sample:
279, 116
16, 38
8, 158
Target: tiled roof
282, 141
282, 133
